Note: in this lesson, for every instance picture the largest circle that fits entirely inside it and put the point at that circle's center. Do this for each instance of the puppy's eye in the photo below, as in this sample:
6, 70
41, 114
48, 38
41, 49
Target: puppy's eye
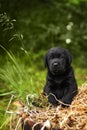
51, 56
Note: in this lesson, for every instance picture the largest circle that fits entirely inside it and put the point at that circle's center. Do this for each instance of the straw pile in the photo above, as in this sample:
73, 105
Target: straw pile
57, 118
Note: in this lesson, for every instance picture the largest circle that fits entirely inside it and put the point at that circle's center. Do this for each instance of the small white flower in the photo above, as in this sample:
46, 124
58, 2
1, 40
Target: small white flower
69, 26
68, 41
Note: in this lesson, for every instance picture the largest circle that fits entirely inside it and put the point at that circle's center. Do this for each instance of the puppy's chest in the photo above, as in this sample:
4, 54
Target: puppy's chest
57, 82
58, 90
57, 86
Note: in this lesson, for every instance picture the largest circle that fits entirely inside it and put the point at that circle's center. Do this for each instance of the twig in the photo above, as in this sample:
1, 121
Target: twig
11, 112
18, 123
58, 100
11, 121
10, 102
27, 99
26, 109
47, 124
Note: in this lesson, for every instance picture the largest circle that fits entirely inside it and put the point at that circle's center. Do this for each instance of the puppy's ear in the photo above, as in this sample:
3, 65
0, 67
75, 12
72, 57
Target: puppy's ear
69, 57
45, 61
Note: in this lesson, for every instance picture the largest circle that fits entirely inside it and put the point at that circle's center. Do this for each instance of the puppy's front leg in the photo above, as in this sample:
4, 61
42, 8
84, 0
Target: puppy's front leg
50, 93
69, 95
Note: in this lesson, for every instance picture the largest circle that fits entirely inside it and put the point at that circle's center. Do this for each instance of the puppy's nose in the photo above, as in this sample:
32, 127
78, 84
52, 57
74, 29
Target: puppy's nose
55, 64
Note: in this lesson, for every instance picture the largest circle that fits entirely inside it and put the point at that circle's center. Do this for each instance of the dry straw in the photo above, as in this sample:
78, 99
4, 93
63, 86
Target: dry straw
53, 118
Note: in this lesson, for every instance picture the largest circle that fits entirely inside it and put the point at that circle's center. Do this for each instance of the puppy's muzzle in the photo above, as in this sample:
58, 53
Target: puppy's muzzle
56, 64
57, 67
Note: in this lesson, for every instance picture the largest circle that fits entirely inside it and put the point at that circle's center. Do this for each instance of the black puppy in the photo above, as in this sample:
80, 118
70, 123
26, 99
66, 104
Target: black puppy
60, 82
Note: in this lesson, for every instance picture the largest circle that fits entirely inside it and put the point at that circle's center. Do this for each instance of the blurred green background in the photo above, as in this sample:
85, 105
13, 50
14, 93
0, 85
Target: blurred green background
27, 30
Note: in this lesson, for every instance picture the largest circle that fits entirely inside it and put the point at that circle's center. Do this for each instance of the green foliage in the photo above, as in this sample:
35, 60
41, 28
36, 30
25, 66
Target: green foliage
43, 24
6, 28
8, 35
81, 75
20, 79
5, 22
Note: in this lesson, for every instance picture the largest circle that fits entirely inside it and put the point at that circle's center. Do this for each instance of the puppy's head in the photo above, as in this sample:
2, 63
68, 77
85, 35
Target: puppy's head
57, 60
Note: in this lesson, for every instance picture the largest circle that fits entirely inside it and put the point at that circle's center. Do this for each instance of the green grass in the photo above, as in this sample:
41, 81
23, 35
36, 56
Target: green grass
21, 79
81, 75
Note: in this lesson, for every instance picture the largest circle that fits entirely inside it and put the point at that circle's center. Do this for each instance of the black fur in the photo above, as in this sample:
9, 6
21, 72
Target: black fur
60, 76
